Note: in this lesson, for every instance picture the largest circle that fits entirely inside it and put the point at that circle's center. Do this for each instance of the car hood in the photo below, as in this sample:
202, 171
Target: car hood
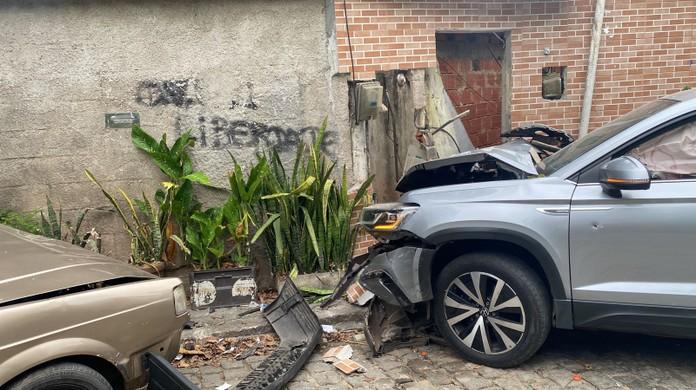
32, 265
511, 160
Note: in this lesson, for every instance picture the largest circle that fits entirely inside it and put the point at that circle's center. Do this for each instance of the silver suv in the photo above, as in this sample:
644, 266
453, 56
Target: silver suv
602, 234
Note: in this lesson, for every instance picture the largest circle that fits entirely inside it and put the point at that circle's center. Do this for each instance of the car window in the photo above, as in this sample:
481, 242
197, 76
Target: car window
598, 136
670, 155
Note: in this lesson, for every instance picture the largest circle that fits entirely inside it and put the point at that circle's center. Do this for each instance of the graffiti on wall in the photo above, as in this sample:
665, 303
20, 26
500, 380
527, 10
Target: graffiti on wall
180, 93
216, 132
249, 102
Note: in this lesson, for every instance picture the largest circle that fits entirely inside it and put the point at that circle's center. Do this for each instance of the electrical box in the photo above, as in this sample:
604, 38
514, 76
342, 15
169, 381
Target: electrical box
368, 98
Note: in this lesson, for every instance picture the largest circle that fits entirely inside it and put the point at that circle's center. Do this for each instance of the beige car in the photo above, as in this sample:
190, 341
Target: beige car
70, 318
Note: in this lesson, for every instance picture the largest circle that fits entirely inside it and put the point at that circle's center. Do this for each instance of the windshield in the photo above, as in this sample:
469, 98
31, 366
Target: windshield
564, 156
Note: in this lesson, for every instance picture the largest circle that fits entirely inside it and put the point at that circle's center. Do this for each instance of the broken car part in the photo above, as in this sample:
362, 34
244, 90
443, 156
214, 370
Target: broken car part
222, 288
389, 327
299, 330
511, 160
163, 376
354, 267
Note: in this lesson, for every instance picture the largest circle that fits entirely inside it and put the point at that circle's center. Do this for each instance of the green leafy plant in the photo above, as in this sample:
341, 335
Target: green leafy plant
309, 211
176, 199
25, 221
142, 225
241, 207
205, 238
52, 225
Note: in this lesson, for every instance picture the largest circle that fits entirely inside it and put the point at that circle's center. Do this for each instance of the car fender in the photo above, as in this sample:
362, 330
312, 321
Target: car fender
55, 350
517, 237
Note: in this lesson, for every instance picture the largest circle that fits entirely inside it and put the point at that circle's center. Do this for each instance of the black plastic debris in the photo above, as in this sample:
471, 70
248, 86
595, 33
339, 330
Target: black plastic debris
356, 265
163, 376
389, 327
299, 331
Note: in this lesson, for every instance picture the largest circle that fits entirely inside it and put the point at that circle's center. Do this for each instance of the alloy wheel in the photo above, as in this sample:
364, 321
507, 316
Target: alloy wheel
484, 312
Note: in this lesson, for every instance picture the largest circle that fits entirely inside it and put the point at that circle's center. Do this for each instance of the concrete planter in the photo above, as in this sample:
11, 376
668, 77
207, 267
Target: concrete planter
217, 288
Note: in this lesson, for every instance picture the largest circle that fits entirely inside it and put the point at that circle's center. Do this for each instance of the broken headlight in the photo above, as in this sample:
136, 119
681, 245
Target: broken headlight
386, 217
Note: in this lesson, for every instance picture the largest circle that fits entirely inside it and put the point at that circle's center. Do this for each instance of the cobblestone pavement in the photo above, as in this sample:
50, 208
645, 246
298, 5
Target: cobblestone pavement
583, 360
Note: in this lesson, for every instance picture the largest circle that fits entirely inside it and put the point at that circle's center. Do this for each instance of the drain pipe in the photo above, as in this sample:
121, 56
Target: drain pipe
591, 68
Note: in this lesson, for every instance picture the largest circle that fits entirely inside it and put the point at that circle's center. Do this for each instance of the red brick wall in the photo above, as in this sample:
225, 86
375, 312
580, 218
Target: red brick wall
473, 82
364, 240
646, 52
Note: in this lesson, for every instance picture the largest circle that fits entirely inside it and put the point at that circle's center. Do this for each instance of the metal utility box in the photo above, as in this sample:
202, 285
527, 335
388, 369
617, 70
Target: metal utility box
368, 100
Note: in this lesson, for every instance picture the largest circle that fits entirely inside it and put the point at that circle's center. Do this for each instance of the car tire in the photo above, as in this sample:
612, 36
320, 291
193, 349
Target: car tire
62, 376
497, 329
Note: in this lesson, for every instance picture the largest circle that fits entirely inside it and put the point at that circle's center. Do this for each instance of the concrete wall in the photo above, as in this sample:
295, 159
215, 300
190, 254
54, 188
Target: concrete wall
243, 75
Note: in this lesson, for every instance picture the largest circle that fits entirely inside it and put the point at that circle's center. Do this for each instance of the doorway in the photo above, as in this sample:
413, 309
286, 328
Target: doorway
475, 68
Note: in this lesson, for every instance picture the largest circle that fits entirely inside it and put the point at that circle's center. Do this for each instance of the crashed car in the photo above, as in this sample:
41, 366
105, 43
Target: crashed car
73, 319
494, 249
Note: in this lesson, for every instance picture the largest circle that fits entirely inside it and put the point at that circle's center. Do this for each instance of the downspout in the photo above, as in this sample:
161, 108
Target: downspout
591, 68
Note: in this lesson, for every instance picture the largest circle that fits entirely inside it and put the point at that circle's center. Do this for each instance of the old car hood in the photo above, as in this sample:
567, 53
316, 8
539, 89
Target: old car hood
511, 160
32, 265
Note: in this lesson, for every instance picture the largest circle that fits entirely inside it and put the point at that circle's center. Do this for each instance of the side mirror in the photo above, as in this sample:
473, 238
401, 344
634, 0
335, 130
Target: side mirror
623, 173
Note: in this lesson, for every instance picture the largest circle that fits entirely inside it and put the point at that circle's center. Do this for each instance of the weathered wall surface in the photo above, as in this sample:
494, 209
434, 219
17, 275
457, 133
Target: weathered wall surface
242, 75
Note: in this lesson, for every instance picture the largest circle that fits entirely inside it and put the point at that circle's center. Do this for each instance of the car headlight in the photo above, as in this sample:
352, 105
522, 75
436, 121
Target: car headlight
386, 217
179, 300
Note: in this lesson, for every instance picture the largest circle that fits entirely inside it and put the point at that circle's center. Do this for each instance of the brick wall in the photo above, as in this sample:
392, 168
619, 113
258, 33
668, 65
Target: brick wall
363, 240
472, 76
647, 49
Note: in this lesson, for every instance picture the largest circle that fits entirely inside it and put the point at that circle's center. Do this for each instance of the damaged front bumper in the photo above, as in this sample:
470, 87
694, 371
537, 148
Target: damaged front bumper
399, 276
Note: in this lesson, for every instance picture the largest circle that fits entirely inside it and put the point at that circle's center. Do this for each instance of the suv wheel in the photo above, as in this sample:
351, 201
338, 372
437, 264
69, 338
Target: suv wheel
492, 308
62, 376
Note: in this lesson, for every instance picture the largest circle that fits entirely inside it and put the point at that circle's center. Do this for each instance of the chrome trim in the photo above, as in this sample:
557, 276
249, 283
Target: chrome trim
554, 210
590, 208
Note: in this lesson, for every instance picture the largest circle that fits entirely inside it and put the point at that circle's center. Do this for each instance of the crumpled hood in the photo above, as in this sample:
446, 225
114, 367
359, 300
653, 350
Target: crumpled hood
511, 160
32, 265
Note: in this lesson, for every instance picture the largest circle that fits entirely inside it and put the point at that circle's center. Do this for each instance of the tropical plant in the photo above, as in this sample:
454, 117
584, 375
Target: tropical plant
205, 238
52, 225
309, 211
142, 225
241, 207
176, 198
22, 220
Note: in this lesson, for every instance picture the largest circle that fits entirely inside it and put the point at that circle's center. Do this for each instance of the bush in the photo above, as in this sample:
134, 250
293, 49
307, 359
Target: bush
309, 212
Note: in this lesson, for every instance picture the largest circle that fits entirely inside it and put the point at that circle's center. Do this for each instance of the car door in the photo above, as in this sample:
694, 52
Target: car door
634, 257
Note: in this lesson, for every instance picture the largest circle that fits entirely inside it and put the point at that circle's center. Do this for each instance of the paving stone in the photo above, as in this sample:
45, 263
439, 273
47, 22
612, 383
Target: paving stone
475, 382
510, 382
440, 377
658, 364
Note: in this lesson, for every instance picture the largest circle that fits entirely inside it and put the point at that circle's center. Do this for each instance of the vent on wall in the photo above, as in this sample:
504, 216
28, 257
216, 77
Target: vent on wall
553, 82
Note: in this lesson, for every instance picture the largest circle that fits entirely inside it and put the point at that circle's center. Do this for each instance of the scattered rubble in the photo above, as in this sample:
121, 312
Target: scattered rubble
349, 366
210, 350
336, 354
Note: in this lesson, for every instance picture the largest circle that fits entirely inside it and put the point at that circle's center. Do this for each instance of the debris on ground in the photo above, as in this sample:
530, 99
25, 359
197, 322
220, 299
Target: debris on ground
328, 329
342, 336
267, 296
357, 294
210, 350
300, 332
224, 386
336, 354
349, 366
